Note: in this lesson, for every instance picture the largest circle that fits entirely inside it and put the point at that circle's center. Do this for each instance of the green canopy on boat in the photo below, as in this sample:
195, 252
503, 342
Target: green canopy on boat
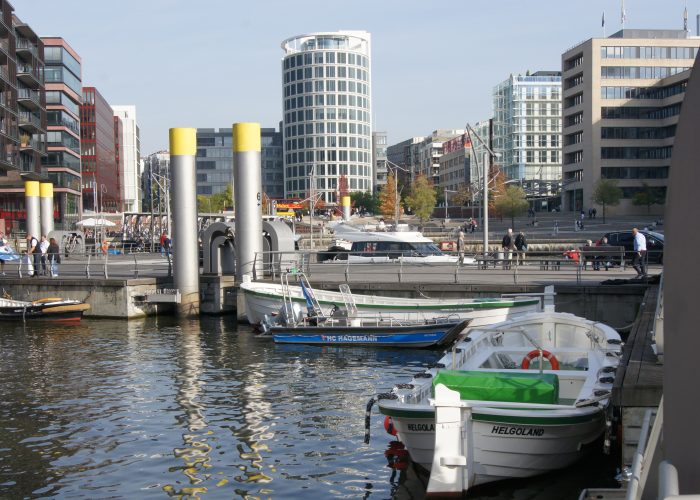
501, 386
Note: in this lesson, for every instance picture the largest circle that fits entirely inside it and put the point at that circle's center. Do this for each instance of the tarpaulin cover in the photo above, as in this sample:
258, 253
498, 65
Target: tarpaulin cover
501, 386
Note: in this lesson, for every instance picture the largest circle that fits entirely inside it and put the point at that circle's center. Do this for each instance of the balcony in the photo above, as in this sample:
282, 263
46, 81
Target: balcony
24, 46
32, 144
29, 121
29, 98
29, 75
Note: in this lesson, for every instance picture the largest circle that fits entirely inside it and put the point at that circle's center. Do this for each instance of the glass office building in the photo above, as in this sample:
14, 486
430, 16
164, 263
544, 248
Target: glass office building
327, 114
215, 161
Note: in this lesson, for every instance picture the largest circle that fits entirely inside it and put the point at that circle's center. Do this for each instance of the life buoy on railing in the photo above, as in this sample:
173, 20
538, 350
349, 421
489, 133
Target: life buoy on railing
535, 353
105, 246
389, 426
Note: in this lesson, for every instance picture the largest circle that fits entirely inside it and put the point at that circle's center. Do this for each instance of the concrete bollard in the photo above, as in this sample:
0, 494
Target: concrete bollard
345, 202
46, 195
31, 202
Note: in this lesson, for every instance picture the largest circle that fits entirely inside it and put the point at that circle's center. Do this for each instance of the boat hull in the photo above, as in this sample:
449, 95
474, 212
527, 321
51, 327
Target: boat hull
508, 444
390, 336
51, 310
268, 299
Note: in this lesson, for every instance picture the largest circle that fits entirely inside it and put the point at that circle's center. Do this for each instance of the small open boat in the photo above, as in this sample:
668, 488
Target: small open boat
49, 309
367, 332
497, 418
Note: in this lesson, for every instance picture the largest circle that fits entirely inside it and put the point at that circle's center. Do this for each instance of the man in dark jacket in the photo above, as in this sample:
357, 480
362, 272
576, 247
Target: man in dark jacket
521, 246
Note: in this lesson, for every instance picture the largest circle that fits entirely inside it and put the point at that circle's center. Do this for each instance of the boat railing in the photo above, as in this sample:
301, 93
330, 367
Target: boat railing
516, 268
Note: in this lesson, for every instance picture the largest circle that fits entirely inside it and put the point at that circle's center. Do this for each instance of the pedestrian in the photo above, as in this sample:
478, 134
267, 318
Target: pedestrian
556, 228
460, 247
640, 251
43, 247
33, 256
595, 212
53, 254
4, 249
521, 247
167, 244
162, 243
507, 245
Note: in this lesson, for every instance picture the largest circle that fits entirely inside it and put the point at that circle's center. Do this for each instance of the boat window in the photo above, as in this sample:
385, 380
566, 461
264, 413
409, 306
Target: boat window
426, 248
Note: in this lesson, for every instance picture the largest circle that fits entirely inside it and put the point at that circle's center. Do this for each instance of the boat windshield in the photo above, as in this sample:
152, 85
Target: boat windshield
394, 249
426, 248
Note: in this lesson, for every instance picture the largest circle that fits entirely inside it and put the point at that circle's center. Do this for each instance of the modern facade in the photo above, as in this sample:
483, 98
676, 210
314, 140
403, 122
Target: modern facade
22, 115
621, 100
101, 178
527, 131
129, 149
63, 75
379, 165
455, 164
426, 154
214, 161
402, 155
327, 107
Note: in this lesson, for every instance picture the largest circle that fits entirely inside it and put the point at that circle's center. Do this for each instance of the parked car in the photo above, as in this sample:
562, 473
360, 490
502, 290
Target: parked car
655, 244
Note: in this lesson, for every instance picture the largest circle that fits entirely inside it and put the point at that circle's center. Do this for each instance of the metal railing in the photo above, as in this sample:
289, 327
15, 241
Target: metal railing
497, 267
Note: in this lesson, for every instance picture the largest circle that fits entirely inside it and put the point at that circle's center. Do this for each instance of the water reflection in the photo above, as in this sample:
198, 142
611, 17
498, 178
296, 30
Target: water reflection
191, 409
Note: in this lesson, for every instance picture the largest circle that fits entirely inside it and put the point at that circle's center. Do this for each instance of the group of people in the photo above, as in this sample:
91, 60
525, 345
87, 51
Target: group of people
40, 253
513, 245
469, 225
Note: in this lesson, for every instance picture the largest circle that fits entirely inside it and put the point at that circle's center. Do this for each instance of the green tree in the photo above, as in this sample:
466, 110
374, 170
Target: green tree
648, 196
365, 199
387, 198
606, 193
422, 198
463, 195
511, 203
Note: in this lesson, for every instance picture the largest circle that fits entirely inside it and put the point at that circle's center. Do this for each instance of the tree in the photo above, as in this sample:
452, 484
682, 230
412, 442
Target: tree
422, 198
497, 191
606, 193
366, 200
387, 198
648, 196
223, 200
463, 195
512, 203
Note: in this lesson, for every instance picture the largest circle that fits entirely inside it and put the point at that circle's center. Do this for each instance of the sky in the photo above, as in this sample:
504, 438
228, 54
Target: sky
213, 63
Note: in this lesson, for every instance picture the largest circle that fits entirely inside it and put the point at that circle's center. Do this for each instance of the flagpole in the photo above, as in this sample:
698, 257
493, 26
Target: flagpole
603, 24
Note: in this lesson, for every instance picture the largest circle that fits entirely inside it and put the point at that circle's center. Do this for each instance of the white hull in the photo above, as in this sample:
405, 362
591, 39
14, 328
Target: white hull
510, 439
266, 299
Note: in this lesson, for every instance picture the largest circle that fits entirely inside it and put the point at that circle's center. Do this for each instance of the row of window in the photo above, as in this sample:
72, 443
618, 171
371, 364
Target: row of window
330, 169
300, 187
330, 141
61, 159
329, 155
320, 86
536, 156
326, 72
635, 153
648, 52
533, 141
533, 109
59, 55
327, 128
642, 92
634, 172
536, 125
640, 72
574, 157
325, 58
63, 139
58, 97
59, 74
639, 113
59, 118
536, 92
309, 100
637, 132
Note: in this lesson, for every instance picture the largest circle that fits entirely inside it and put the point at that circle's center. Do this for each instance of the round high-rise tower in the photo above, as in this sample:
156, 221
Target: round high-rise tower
327, 114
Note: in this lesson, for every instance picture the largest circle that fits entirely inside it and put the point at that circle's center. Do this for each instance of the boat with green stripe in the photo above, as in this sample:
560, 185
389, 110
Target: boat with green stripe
504, 418
266, 299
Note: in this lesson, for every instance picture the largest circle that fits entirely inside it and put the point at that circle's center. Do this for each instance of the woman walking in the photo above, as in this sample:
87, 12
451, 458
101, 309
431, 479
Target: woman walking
53, 253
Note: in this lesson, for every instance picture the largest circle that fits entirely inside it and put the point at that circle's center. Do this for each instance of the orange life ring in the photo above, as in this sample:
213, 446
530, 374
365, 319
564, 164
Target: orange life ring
105, 246
389, 426
534, 354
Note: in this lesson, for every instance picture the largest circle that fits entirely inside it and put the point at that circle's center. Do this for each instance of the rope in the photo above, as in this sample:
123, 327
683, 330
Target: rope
368, 410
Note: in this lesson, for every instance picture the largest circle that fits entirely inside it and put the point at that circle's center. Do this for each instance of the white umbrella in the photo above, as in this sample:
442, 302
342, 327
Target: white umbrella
91, 222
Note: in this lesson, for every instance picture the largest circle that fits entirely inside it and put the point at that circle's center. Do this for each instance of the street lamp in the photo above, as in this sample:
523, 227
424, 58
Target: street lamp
396, 191
485, 196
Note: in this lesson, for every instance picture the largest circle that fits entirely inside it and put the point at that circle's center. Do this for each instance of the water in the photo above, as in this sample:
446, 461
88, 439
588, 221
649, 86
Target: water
158, 408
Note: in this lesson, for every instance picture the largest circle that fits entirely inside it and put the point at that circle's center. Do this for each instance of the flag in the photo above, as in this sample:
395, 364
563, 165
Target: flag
623, 14
685, 18
603, 23
307, 296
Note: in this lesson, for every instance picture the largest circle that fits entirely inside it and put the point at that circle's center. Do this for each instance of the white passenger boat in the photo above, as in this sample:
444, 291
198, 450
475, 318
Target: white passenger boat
267, 298
497, 417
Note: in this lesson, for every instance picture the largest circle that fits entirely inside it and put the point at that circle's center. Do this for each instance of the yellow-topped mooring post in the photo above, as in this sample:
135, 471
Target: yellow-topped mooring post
46, 202
31, 203
345, 203
247, 188
185, 245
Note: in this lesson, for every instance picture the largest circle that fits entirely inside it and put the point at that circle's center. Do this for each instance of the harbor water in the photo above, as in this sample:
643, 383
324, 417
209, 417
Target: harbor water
207, 409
